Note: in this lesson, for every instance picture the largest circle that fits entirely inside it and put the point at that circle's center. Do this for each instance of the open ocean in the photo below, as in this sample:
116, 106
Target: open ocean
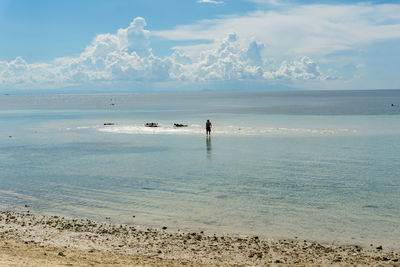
319, 165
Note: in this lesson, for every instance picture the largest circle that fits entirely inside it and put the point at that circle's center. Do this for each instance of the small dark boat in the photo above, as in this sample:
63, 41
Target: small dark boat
109, 123
151, 124
180, 125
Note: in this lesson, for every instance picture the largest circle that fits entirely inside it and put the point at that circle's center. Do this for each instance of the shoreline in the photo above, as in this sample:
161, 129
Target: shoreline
37, 240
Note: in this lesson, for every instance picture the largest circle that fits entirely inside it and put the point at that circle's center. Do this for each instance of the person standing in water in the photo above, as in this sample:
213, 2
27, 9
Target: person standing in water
208, 128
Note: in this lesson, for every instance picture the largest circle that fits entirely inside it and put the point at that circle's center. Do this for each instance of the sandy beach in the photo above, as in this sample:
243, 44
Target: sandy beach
37, 240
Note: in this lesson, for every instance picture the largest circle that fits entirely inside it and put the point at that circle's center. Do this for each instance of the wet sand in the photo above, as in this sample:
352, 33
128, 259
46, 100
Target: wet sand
36, 240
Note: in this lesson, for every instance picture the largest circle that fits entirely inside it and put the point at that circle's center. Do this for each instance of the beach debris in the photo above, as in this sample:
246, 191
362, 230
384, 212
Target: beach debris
108, 123
180, 125
151, 124
61, 254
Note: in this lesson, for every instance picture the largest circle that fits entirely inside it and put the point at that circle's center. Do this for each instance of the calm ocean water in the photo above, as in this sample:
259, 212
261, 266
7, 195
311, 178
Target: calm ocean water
313, 165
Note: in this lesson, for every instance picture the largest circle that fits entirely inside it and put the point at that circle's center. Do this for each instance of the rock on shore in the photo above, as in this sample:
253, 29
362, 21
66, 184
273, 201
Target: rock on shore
76, 241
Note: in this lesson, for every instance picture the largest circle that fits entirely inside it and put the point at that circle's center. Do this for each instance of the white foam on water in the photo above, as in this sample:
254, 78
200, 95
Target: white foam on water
162, 129
83, 127
195, 129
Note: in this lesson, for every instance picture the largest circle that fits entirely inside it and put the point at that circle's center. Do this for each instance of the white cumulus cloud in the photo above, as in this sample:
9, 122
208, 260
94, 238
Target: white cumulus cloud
126, 55
302, 69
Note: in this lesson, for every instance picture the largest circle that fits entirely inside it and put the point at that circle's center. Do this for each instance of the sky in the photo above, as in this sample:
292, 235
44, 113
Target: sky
192, 45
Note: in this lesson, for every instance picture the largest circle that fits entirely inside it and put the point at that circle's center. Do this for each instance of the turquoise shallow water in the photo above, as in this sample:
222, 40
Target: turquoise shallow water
269, 169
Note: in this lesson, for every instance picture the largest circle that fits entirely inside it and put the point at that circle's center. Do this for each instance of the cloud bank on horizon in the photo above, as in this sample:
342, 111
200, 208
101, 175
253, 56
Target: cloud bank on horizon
291, 45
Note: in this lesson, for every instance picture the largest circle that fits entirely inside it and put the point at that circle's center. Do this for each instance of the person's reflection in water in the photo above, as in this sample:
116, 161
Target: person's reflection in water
208, 146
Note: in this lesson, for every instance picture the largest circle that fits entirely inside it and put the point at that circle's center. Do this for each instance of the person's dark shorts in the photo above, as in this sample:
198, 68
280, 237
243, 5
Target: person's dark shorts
208, 129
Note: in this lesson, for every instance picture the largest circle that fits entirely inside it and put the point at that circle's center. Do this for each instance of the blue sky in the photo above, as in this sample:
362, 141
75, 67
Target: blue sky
124, 45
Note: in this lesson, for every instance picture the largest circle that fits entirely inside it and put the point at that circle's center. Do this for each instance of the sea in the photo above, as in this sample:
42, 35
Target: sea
315, 165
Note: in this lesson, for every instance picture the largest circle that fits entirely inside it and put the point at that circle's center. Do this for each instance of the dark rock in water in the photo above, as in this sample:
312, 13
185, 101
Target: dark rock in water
180, 125
164, 228
151, 124
379, 248
27, 206
109, 123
